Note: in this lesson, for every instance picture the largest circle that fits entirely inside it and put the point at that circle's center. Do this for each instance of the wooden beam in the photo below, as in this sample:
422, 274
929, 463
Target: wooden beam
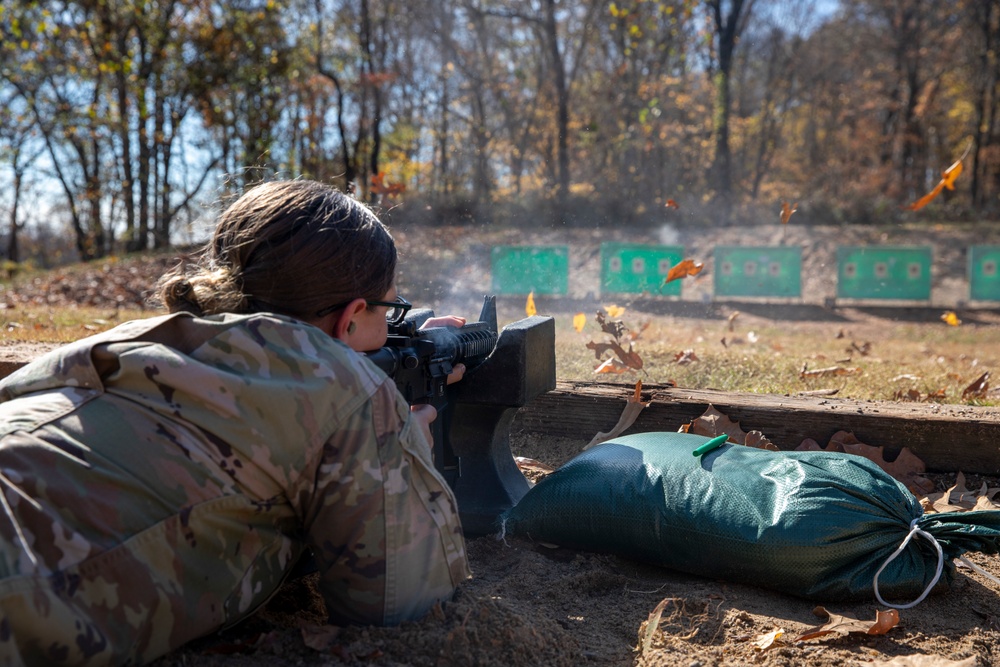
947, 438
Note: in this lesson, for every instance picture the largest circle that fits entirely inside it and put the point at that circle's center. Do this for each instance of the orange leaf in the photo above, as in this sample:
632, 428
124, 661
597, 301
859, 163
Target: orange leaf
950, 318
672, 204
787, 210
529, 307
951, 174
685, 268
381, 187
948, 178
579, 320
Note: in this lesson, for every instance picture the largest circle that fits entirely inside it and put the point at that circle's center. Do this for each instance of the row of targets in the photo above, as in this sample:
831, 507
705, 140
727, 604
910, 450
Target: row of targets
863, 272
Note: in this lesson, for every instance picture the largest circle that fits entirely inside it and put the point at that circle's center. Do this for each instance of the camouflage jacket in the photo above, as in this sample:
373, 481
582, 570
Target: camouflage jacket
159, 481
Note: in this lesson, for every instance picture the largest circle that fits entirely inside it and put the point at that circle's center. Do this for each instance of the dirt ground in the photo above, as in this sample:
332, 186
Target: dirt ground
534, 604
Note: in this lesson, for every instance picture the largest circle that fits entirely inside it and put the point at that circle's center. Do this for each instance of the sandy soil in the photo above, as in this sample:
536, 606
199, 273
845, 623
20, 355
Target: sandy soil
533, 604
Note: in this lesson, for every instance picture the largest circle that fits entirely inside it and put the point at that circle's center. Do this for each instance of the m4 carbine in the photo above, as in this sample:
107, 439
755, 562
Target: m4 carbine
504, 370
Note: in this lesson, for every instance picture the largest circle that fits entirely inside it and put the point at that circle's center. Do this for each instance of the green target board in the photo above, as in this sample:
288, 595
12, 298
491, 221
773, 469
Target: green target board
984, 278
629, 268
524, 269
884, 272
758, 271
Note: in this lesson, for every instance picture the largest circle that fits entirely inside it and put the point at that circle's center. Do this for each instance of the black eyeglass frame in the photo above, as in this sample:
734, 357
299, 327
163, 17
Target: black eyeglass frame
401, 305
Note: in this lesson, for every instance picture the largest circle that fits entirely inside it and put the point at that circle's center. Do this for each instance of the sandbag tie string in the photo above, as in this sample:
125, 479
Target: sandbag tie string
914, 530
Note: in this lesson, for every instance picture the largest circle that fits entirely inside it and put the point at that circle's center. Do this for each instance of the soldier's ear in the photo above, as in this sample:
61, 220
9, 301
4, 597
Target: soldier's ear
342, 325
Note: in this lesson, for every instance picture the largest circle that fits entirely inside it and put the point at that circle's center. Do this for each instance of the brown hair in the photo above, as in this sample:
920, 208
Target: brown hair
290, 247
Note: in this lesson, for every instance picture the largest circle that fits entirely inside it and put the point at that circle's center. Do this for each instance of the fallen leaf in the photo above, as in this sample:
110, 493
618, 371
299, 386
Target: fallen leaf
950, 318
579, 320
529, 307
713, 423
978, 388
960, 499
907, 468
841, 625
633, 406
787, 210
768, 640
531, 465
686, 267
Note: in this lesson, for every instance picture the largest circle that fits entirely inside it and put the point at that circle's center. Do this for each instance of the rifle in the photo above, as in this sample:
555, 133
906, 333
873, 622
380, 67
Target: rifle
504, 370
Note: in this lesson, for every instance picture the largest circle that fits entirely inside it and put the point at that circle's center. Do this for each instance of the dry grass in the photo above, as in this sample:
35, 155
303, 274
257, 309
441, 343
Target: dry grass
879, 360
44, 324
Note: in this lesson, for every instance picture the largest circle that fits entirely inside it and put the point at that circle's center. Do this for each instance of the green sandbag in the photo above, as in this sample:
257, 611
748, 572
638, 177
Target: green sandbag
818, 525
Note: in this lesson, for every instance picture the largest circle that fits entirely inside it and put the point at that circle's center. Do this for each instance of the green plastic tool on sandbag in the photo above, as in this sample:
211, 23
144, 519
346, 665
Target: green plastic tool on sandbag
818, 525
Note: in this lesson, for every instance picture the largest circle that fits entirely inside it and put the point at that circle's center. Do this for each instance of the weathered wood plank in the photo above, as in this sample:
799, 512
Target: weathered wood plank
946, 437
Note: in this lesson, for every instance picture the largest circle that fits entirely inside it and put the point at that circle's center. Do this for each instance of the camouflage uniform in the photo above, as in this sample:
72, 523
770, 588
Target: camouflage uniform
158, 482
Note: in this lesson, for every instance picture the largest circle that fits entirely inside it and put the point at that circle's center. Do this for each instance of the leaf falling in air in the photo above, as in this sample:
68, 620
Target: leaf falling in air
686, 267
579, 320
614, 310
529, 307
633, 406
625, 359
380, 186
685, 357
629, 358
948, 178
732, 319
950, 318
672, 204
787, 210
978, 388
840, 625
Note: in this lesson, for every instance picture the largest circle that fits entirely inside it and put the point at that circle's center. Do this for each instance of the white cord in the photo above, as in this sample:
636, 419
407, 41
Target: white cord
914, 530
973, 566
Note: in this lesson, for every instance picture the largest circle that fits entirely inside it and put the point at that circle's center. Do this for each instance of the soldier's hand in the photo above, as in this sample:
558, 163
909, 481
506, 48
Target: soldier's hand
424, 414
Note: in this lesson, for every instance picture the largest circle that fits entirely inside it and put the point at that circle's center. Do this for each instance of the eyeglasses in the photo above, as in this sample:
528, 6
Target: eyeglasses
397, 309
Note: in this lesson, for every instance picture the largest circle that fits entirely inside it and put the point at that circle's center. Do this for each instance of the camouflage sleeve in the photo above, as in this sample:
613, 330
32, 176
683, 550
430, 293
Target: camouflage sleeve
381, 521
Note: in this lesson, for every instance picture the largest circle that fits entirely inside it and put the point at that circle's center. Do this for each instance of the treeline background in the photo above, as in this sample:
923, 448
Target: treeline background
120, 120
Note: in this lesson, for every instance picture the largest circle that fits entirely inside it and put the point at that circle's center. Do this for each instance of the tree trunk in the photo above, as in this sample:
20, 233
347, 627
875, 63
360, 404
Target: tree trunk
562, 105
